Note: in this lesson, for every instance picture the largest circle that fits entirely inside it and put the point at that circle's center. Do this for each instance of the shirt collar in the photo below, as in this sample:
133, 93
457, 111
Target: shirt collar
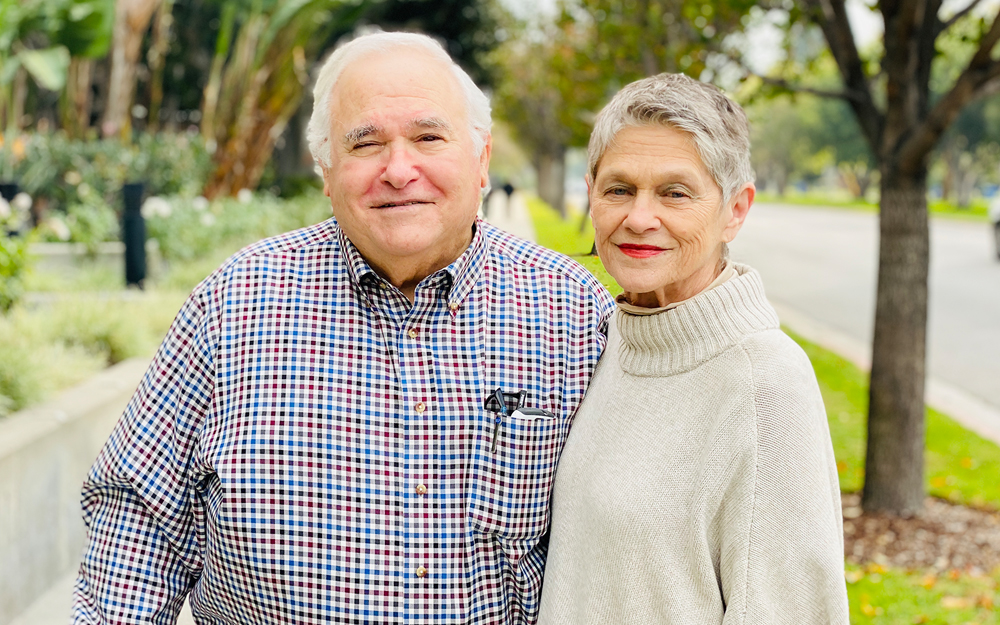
457, 279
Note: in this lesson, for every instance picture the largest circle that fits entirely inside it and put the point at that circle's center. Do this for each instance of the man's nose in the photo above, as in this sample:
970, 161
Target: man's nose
400, 167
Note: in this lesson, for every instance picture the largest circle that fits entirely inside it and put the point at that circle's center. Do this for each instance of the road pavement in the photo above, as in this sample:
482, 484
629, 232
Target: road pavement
822, 263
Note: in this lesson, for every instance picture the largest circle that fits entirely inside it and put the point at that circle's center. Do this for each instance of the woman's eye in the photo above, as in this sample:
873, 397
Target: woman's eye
676, 194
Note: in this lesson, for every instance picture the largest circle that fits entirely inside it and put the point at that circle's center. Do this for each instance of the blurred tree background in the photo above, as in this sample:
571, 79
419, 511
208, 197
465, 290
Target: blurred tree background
209, 98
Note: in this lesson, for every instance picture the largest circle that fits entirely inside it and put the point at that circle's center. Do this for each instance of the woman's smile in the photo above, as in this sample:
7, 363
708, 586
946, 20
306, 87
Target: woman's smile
640, 251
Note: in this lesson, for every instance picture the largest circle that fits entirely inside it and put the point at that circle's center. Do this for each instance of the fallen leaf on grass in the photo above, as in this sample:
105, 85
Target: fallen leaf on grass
956, 603
928, 581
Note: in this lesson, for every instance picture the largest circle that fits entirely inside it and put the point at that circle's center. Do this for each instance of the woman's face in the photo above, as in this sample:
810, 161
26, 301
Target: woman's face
658, 216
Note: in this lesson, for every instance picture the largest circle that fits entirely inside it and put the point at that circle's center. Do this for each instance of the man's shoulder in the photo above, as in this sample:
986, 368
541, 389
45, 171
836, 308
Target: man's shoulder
317, 236
518, 253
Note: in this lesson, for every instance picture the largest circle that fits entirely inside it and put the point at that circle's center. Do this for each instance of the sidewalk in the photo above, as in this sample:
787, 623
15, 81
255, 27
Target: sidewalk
512, 216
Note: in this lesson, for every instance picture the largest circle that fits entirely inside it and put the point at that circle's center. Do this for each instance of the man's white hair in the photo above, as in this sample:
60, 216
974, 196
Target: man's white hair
477, 105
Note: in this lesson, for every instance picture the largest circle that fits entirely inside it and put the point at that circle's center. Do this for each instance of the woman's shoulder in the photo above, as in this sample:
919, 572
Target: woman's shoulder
786, 396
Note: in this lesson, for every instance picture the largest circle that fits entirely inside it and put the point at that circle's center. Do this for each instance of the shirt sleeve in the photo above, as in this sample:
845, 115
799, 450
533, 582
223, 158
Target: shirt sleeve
139, 499
794, 558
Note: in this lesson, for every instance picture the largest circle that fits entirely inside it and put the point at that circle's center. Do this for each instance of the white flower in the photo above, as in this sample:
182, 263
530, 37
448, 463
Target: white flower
83, 190
207, 220
21, 202
156, 206
245, 196
200, 203
59, 228
73, 178
4, 209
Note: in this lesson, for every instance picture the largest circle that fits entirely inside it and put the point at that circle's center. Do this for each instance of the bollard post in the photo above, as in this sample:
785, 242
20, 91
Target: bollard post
8, 190
134, 234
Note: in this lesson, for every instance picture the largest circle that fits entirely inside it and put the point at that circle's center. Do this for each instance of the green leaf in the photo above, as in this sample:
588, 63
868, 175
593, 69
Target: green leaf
8, 68
48, 67
87, 30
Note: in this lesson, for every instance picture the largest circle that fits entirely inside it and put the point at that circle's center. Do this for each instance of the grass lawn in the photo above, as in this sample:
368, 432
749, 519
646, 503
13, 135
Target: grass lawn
976, 211
960, 466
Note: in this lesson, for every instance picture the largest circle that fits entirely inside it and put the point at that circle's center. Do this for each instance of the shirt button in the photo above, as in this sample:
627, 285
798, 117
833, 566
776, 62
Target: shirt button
383, 286
419, 407
421, 571
453, 306
412, 333
421, 489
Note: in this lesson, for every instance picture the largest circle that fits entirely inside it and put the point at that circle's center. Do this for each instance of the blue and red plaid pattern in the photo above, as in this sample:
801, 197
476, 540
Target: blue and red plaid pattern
309, 447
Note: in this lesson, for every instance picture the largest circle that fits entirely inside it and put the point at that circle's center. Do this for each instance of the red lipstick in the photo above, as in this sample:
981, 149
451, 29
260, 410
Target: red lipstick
640, 251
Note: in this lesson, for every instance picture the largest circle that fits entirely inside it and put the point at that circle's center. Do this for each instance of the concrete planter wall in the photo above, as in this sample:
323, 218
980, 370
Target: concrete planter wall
73, 256
45, 453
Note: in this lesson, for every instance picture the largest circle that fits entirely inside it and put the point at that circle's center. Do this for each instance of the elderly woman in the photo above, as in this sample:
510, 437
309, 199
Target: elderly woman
698, 484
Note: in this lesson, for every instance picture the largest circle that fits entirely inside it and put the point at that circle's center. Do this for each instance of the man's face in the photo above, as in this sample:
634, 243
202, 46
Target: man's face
404, 179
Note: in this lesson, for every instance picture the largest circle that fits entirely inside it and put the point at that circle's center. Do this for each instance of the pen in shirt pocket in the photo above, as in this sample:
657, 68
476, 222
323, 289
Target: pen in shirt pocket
520, 412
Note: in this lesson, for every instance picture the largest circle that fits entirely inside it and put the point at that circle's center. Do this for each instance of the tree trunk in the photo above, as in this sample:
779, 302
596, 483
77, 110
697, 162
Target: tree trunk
20, 94
131, 20
551, 169
894, 479
76, 104
157, 60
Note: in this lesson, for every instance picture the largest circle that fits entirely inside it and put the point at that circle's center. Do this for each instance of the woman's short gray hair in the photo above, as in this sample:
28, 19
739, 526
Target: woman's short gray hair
717, 124
318, 131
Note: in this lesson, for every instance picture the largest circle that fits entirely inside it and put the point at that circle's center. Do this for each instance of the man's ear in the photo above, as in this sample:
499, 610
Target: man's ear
325, 172
484, 162
739, 209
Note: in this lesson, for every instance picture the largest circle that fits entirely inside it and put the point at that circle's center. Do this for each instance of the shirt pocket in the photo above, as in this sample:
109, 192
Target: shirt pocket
510, 487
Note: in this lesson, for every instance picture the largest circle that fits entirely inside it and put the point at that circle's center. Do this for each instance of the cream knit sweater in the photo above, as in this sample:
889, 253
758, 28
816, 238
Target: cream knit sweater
698, 483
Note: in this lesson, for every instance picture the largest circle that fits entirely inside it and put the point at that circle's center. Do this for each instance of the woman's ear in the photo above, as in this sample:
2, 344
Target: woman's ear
739, 208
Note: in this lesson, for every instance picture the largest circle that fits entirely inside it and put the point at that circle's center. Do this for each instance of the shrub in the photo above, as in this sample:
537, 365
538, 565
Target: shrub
188, 230
13, 265
58, 171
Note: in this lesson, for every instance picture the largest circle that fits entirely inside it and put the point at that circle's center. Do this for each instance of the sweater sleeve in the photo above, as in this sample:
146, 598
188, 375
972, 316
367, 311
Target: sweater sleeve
795, 554
142, 555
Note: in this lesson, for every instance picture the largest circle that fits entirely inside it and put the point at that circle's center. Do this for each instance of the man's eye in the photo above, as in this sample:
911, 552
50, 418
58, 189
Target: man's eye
619, 191
363, 145
429, 138
676, 194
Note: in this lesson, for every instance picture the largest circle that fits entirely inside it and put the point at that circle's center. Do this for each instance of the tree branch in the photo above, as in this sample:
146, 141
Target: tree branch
823, 93
973, 83
831, 17
954, 18
974, 80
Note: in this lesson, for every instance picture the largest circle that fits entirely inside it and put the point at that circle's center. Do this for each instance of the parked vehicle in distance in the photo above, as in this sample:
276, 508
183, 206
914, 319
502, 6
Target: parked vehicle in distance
994, 213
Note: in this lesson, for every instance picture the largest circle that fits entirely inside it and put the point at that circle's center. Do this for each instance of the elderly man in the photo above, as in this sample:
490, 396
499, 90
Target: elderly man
357, 421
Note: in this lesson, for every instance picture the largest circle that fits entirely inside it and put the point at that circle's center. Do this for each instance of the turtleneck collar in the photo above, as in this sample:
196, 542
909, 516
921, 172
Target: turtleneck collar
683, 337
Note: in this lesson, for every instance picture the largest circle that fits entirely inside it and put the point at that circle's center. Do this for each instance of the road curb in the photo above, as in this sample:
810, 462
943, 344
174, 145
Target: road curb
967, 409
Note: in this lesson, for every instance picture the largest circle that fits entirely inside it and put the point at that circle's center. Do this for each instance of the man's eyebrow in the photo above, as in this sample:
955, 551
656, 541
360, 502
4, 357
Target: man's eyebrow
357, 134
429, 123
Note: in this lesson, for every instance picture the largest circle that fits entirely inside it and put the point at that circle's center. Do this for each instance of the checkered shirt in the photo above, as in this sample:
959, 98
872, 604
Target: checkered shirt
308, 446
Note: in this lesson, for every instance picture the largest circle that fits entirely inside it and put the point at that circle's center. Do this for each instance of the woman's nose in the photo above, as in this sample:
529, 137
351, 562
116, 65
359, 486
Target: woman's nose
642, 214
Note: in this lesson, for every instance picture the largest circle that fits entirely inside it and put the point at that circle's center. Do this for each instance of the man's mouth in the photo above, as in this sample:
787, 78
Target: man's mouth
397, 204
640, 251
